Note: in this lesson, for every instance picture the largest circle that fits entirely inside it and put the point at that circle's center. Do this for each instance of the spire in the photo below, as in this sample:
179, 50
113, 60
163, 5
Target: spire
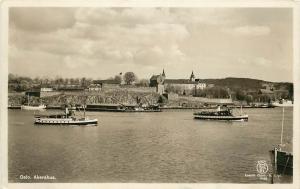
192, 78
163, 74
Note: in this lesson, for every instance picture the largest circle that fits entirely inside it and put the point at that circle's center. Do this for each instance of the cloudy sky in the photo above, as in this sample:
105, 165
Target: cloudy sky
102, 42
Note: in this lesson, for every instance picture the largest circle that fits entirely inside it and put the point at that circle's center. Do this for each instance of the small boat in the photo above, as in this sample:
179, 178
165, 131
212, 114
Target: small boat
282, 160
27, 107
67, 118
283, 103
221, 115
268, 105
30, 107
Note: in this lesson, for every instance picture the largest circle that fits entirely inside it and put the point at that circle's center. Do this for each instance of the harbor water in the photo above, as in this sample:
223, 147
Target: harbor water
160, 147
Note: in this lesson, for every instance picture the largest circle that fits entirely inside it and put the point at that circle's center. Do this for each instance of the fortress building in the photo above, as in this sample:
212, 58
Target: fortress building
158, 82
179, 86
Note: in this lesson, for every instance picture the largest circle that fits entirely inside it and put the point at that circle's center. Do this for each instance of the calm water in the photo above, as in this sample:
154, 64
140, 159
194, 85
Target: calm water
146, 147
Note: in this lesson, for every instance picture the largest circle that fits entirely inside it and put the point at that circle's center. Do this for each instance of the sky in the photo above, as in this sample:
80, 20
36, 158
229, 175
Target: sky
102, 42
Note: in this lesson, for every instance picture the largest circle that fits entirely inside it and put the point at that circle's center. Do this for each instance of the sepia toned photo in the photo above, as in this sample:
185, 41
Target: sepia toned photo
150, 95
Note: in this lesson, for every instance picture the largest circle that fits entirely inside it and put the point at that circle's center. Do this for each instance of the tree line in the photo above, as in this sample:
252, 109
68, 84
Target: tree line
130, 78
23, 83
235, 93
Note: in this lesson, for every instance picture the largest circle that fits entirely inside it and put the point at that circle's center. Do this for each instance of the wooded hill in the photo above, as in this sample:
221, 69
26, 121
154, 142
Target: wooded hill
246, 83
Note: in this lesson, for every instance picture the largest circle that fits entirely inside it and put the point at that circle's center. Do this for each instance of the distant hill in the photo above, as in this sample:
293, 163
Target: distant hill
245, 83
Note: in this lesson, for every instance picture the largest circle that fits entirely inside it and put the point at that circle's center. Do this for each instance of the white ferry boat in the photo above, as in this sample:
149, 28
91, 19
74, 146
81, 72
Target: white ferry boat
67, 118
220, 115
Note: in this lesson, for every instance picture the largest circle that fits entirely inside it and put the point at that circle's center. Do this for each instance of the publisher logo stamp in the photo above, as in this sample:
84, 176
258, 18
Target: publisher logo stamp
262, 167
262, 171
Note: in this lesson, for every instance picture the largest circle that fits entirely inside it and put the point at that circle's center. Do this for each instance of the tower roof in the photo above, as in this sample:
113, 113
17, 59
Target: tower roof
192, 75
163, 74
192, 78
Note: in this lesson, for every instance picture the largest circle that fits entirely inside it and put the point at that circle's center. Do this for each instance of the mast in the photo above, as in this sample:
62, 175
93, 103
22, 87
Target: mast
28, 100
282, 127
67, 112
84, 110
241, 109
84, 104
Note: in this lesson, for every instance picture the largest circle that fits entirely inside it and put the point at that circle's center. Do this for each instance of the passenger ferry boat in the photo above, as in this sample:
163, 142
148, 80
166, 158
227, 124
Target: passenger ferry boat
67, 118
219, 114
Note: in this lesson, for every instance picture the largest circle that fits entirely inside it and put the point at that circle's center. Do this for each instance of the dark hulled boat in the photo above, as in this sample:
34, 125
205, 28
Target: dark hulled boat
221, 115
282, 160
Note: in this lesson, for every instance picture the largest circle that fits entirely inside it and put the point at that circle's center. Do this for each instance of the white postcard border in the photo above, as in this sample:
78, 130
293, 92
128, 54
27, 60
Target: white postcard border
156, 3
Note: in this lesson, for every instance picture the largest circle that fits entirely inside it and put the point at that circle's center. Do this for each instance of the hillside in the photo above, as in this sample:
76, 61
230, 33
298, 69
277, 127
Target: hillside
245, 83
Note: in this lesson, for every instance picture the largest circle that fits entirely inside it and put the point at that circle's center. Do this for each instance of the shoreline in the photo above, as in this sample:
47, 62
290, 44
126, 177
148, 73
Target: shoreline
163, 108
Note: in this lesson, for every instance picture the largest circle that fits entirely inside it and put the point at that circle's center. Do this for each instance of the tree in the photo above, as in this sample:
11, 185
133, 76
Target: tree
77, 81
265, 98
57, 80
72, 81
89, 81
66, 81
240, 95
11, 78
45, 80
162, 99
249, 99
214, 92
24, 85
83, 82
291, 91
118, 78
129, 78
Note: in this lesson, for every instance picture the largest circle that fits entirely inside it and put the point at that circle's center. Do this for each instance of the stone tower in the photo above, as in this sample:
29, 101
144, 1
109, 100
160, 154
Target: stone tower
192, 78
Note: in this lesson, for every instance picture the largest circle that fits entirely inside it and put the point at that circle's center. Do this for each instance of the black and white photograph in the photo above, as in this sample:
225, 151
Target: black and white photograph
151, 94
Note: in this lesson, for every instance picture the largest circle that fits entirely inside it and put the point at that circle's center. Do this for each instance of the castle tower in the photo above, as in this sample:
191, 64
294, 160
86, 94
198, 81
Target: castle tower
192, 78
163, 73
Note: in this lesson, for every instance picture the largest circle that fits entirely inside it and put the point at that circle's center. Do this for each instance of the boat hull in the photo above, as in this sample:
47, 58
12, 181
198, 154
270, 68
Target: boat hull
40, 121
283, 162
222, 118
283, 105
42, 107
